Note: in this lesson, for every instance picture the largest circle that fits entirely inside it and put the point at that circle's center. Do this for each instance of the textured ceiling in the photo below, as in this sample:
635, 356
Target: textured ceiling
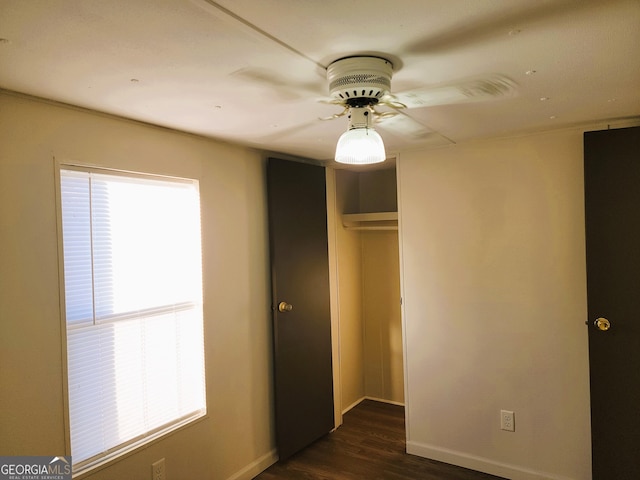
253, 71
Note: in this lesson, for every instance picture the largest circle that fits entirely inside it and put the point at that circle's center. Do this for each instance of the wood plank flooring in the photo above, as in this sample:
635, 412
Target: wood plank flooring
369, 445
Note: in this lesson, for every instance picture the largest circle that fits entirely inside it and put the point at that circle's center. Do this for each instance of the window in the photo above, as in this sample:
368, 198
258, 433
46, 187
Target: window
133, 309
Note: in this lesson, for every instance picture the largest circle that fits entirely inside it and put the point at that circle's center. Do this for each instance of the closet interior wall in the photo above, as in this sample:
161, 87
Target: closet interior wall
369, 291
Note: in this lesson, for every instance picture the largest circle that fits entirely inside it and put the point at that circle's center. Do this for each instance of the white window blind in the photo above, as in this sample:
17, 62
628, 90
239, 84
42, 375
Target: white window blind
133, 301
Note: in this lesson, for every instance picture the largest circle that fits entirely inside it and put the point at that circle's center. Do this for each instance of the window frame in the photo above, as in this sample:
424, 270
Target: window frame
134, 445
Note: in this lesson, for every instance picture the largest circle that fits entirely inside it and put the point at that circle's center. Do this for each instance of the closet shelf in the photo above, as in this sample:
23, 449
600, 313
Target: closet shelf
370, 221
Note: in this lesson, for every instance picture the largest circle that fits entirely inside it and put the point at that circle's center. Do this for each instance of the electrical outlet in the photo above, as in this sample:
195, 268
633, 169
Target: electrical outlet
507, 420
157, 470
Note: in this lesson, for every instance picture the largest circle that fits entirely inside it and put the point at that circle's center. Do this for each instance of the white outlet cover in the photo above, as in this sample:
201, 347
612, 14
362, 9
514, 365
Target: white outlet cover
507, 421
157, 469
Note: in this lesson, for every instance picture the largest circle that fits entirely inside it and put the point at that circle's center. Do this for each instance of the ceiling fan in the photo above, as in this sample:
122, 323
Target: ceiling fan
387, 109
361, 85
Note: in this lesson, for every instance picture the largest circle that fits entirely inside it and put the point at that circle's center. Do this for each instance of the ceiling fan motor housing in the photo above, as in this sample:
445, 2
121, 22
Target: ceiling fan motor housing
359, 81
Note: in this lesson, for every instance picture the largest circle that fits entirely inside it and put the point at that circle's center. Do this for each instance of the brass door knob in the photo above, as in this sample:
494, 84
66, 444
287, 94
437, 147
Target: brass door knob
285, 307
602, 324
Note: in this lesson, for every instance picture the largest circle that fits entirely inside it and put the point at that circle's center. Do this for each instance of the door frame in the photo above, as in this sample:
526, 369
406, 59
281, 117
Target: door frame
334, 220
334, 297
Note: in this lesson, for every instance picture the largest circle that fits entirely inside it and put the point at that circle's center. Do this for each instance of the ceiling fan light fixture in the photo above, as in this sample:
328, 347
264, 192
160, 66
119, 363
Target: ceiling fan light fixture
360, 146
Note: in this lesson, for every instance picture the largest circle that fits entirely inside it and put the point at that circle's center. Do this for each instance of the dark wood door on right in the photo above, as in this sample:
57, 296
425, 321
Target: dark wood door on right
612, 210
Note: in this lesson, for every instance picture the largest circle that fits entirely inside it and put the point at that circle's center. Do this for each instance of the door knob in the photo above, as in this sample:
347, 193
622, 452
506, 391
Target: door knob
285, 307
602, 324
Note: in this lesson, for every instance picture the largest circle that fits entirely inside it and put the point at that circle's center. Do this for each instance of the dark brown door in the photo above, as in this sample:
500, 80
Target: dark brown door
612, 202
301, 308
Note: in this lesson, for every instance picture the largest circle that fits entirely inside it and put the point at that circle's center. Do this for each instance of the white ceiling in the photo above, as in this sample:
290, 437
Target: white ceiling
252, 71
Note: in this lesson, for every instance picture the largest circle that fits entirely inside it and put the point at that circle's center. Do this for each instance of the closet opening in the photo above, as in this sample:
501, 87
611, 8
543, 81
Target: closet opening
367, 287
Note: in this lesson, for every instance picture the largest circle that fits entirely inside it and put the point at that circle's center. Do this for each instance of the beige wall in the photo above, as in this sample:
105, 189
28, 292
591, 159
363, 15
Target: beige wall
377, 191
236, 439
493, 262
383, 364
348, 259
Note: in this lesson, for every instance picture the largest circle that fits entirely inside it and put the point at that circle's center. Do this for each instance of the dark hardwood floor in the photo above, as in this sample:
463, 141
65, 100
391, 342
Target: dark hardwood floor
369, 445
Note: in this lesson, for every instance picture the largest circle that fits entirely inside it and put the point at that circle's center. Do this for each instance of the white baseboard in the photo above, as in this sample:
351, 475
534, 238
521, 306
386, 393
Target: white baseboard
360, 400
256, 467
384, 400
354, 404
480, 464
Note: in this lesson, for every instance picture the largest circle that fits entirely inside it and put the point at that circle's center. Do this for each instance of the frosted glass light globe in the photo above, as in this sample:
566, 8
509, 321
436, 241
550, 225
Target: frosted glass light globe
360, 146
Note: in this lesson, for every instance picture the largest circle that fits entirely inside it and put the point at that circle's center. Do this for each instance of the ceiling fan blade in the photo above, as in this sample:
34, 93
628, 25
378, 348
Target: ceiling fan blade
403, 125
282, 133
473, 90
284, 87
332, 101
